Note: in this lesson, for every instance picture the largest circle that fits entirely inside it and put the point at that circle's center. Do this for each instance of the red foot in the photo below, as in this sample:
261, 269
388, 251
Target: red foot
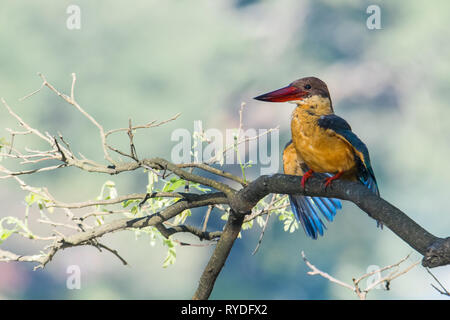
308, 174
330, 179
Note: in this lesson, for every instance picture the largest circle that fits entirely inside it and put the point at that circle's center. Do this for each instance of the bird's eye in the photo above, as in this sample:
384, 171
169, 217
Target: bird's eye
308, 86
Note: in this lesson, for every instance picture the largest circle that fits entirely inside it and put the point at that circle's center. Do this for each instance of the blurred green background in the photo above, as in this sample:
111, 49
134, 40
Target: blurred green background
149, 60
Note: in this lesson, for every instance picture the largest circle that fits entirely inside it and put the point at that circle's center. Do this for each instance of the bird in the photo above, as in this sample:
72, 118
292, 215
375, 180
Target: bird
323, 143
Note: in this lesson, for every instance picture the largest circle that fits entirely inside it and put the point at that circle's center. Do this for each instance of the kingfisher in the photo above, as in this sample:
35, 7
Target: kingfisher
323, 143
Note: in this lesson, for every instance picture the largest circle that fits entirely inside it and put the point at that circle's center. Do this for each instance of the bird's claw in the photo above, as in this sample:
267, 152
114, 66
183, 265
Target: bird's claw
329, 180
308, 174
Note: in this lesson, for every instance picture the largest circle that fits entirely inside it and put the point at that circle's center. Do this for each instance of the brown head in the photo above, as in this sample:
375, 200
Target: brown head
300, 92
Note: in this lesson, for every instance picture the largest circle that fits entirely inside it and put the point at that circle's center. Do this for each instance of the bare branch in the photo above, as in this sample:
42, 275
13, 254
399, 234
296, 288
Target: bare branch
24, 124
6, 256
362, 293
316, 271
443, 290
151, 124
114, 252
71, 100
205, 222
215, 171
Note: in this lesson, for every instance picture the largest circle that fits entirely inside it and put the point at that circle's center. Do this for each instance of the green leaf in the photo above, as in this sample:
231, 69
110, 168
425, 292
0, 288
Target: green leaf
173, 185
126, 203
247, 225
171, 253
199, 187
225, 216
4, 234
260, 221
181, 218
30, 198
3, 143
18, 225
290, 223
134, 210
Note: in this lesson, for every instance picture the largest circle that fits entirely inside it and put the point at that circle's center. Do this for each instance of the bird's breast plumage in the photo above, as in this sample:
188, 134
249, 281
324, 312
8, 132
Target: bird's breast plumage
321, 149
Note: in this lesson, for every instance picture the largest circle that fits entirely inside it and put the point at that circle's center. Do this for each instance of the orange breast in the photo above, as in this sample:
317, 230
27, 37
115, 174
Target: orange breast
322, 150
292, 164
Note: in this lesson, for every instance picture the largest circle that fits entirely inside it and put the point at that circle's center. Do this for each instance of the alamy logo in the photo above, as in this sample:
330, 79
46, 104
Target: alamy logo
235, 146
74, 279
375, 277
373, 22
73, 21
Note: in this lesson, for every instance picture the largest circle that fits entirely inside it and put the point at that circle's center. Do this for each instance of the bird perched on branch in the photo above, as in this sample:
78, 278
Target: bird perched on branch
321, 142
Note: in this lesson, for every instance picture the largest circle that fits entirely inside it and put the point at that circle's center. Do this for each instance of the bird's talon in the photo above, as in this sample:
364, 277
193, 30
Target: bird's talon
329, 180
305, 177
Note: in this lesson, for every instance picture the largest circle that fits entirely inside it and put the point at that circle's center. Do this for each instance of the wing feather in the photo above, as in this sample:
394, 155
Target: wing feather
343, 130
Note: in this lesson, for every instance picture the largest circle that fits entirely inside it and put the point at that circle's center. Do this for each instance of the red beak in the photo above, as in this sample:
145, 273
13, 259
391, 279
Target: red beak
289, 93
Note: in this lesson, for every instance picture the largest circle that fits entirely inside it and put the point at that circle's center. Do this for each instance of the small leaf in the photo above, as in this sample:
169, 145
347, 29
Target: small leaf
4, 234
126, 203
198, 187
173, 185
181, 218
247, 225
171, 253
260, 221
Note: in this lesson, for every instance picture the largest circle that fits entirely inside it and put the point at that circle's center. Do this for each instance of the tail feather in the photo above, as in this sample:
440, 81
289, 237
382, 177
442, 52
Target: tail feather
299, 211
335, 202
372, 185
306, 209
328, 206
314, 216
326, 211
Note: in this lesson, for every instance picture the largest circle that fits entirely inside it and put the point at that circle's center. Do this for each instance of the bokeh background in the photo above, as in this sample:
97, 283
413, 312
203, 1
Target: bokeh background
151, 59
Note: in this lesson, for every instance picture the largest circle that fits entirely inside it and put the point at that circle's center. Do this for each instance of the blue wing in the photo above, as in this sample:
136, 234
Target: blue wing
344, 131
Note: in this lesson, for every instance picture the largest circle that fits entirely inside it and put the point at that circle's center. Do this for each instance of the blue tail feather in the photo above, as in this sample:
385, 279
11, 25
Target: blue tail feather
314, 215
327, 210
306, 209
299, 211
335, 202
371, 184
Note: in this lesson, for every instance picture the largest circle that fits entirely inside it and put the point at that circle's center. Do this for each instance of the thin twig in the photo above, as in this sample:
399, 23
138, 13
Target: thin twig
205, 222
72, 101
362, 293
268, 208
151, 124
444, 291
315, 271
114, 252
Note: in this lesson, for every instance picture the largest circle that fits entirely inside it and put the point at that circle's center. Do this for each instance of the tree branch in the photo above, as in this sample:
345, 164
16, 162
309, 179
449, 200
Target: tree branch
86, 237
356, 288
436, 251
